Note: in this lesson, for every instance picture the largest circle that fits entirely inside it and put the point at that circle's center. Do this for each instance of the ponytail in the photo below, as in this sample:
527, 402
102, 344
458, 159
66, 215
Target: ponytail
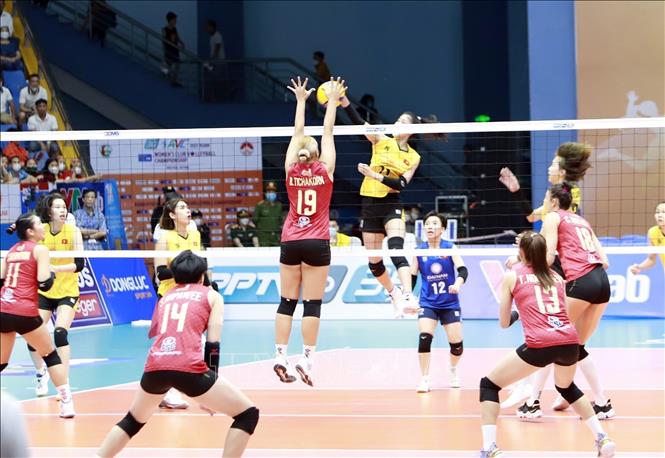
534, 249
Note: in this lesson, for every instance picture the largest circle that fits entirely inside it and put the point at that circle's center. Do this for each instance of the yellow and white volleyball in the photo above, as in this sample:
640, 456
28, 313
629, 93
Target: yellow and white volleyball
321, 93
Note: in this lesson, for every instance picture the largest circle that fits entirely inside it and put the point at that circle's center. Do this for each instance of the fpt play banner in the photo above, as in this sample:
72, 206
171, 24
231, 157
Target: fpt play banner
250, 288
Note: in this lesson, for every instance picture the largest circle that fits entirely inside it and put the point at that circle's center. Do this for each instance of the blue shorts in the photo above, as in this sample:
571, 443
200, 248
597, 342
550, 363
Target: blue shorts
444, 316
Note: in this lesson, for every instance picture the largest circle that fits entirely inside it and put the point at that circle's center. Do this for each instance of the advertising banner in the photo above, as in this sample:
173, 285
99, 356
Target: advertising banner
250, 288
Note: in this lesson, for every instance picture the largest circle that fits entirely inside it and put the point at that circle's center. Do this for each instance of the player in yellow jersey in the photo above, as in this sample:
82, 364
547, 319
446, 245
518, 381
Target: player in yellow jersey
656, 237
177, 236
391, 168
62, 298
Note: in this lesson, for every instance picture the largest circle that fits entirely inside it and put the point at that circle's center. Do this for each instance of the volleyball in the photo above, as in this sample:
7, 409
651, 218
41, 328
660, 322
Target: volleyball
321, 93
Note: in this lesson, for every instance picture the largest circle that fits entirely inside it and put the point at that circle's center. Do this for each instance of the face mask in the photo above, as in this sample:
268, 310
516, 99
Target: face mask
53, 170
244, 221
414, 216
34, 90
271, 196
333, 232
4, 35
31, 170
197, 221
61, 166
16, 167
78, 170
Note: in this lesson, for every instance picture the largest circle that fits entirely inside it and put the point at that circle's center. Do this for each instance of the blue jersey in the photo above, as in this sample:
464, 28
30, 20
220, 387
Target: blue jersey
436, 275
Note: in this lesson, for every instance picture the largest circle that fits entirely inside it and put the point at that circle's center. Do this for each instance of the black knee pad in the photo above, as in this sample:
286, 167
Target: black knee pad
582, 353
456, 348
377, 268
425, 342
488, 390
30, 348
52, 359
60, 337
570, 394
397, 243
2, 366
247, 420
287, 306
312, 307
130, 425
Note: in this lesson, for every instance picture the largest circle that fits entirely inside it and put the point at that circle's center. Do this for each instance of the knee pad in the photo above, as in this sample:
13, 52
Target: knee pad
30, 348
2, 366
488, 390
287, 306
52, 359
60, 337
312, 307
247, 420
425, 342
377, 268
397, 243
130, 425
583, 353
457, 348
570, 394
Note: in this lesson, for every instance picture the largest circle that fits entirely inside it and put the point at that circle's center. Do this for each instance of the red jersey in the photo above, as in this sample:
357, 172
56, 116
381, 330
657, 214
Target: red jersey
179, 320
19, 293
543, 313
576, 248
310, 189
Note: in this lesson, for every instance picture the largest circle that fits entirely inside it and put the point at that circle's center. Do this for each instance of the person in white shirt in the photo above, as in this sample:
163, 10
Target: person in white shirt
29, 96
216, 42
42, 120
7, 110
6, 19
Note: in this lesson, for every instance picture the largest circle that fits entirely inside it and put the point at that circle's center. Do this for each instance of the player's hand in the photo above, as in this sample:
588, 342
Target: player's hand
334, 91
635, 269
366, 171
411, 310
300, 89
207, 409
511, 261
454, 288
509, 180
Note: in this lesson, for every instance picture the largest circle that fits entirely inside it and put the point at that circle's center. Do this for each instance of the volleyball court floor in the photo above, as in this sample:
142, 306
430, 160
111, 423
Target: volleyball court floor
364, 402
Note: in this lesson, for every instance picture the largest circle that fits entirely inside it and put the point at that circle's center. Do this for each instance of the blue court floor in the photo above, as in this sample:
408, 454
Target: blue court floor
110, 355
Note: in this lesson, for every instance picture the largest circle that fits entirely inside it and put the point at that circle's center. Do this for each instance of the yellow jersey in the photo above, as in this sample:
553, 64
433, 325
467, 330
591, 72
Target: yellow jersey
176, 242
387, 159
342, 240
66, 284
657, 238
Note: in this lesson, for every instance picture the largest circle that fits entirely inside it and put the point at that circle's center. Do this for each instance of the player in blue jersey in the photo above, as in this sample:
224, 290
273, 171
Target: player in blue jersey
440, 285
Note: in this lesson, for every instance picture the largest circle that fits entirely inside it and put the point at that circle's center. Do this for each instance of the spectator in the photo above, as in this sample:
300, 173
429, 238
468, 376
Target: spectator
412, 215
216, 42
14, 149
5, 177
242, 234
172, 44
366, 109
320, 67
10, 56
91, 221
31, 168
29, 96
18, 172
51, 172
101, 19
268, 217
168, 193
204, 229
336, 237
6, 19
44, 121
7, 108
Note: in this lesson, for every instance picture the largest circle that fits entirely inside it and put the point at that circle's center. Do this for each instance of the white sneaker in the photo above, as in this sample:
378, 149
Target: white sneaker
409, 305
560, 404
424, 385
454, 379
67, 409
519, 393
396, 300
173, 400
281, 368
304, 368
41, 385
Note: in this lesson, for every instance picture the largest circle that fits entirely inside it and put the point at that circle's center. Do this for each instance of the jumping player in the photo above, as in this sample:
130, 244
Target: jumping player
439, 299
175, 360
305, 244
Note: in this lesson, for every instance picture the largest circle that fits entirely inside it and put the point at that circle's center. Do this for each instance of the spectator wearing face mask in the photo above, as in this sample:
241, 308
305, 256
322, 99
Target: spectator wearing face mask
10, 56
14, 149
242, 233
31, 168
50, 175
6, 19
7, 109
336, 237
28, 97
5, 177
18, 172
204, 229
268, 217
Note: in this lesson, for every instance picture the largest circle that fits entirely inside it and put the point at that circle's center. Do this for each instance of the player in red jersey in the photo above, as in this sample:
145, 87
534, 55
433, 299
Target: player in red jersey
26, 268
174, 361
540, 297
305, 247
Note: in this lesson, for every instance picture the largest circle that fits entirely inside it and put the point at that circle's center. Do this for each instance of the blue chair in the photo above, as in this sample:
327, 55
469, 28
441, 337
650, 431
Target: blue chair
14, 81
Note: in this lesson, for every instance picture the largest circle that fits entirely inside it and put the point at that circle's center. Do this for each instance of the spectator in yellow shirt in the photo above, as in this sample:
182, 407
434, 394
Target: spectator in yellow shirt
336, 237
656, 237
